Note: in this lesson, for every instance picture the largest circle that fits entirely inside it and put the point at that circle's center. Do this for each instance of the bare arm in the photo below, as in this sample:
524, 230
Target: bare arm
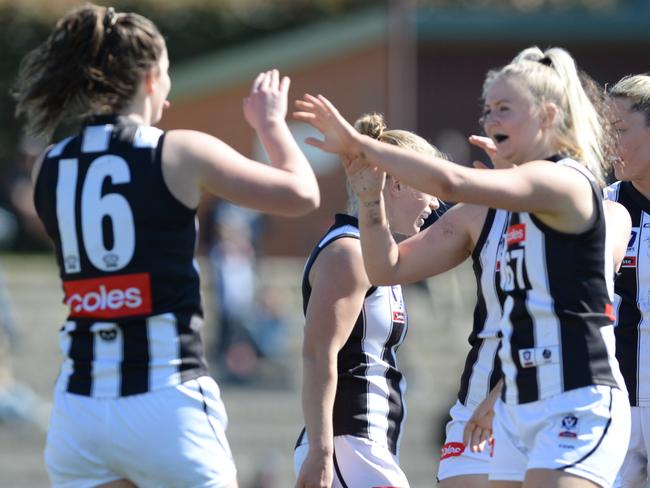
619, 227
559, 196
339, 285
440, 247
193, 160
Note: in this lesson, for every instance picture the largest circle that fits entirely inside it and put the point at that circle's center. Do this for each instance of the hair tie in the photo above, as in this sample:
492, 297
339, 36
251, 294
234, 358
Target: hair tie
110, 19
546, 61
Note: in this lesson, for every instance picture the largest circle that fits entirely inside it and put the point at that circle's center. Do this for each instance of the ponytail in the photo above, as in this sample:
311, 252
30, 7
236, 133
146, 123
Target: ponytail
92, 62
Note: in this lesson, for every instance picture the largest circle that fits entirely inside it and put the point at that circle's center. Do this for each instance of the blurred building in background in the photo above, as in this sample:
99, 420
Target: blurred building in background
422, 63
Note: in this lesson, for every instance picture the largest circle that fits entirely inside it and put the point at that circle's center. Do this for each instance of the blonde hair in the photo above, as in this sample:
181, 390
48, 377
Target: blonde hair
552, 76
374, 125
635, 88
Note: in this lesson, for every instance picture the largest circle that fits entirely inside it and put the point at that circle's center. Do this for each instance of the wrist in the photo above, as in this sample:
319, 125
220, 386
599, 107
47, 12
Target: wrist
270, 124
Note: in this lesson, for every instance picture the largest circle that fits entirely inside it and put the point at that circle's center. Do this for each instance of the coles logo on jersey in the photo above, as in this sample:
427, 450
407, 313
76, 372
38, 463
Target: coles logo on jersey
451, 449
109, 297
515, 234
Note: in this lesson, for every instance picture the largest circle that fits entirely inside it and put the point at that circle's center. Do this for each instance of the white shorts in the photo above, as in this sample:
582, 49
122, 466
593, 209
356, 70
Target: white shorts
634, 471
359, 462
582, 432
455, 460
169, 437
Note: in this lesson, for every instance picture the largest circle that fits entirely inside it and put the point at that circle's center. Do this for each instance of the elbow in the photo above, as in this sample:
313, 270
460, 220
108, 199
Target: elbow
304, 201
449, 187
379, 279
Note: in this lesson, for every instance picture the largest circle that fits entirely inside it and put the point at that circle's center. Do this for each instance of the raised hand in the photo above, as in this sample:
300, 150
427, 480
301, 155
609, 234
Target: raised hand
490, 149
267, 101
339, 136
366, 180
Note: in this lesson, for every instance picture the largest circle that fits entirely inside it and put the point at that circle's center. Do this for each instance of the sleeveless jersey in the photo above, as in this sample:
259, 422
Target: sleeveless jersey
483, 366
125, 248
369, 400
557, 318
632, 296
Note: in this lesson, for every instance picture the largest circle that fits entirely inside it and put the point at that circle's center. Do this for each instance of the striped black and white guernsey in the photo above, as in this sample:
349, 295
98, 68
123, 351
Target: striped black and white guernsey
483, 367
558, 315
125, 249
632, 296
369, 400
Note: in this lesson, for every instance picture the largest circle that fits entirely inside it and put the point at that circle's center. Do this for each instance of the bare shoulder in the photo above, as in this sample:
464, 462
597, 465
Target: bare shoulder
341, 262
617, 214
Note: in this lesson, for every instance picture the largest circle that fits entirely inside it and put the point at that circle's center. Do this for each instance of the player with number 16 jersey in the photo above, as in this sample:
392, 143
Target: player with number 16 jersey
125, 247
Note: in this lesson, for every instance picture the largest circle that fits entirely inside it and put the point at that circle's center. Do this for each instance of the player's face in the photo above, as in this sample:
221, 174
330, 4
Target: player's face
512, 120
634, 141
162, 85
408, 208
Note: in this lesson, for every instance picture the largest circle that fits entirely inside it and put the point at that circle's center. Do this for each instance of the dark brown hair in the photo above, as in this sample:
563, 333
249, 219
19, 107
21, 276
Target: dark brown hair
91, 63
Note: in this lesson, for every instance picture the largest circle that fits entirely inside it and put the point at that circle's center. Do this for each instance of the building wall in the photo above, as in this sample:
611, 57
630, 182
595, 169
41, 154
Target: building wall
357, 82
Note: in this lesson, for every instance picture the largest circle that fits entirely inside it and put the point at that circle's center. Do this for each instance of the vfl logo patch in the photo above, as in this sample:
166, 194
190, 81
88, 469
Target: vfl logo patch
569, 424
110, 297
516, 234
451, 449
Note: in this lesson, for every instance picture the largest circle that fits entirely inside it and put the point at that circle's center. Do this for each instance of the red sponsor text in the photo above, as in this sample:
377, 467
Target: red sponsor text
109, 297
451, 449
516, 233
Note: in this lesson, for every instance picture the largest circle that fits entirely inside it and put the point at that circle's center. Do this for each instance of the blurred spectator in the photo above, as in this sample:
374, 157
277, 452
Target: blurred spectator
250, 323
17, 400
18, 192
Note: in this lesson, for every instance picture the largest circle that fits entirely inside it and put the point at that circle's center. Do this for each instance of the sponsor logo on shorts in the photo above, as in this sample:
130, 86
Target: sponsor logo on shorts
516, 233
399, 317
451, 449
109, 297
569, 424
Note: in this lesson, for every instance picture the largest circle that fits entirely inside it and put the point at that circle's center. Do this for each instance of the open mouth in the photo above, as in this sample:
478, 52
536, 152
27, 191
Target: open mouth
421, 219
499, 138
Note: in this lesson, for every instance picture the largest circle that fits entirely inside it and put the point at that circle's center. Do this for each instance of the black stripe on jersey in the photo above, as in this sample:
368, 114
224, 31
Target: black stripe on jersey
627, 288
135, 361
602, 437
480, 310
82, 350
190, 349
393, 379
339, 475
351, 390
523, 334
300, 438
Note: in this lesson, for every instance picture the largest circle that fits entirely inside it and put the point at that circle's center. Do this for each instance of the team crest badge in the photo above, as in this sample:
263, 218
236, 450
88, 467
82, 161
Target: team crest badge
569, 424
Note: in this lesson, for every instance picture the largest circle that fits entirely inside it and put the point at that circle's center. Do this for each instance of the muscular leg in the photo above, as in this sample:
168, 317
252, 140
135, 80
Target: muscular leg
465, 481
550, 478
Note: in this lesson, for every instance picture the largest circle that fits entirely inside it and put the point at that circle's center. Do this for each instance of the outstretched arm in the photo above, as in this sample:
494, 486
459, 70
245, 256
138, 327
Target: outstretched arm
559, 195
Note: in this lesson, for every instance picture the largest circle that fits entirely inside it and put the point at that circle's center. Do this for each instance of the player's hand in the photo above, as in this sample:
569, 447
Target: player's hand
478, 429
338, 135
367, 181
490, 149
268, 100
316, 472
